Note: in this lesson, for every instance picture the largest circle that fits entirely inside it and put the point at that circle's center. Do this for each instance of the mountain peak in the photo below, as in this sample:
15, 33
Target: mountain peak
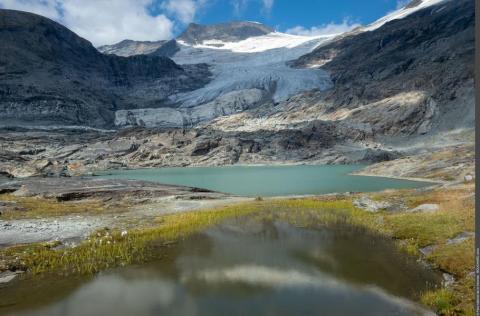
227, 32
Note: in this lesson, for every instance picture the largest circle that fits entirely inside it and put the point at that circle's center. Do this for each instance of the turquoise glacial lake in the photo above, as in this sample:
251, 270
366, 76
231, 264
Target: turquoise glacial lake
269, 180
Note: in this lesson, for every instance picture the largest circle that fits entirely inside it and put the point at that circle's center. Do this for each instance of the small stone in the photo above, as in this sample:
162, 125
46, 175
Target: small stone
425, 208
7, 276
468, 178
460, 238
448, 279
427, 250
370, 205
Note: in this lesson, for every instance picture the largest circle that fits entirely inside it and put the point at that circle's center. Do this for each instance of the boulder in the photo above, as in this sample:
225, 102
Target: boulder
425, 208
460, 238
370, 205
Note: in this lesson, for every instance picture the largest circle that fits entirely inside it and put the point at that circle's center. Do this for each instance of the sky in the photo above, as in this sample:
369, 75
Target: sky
110, 21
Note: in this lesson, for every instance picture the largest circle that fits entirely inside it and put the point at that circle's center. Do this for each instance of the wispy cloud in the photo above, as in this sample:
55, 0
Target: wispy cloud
402, 3
101, 21
183, 10
239, 6
48, 8
106, 21
324, 29
268, 5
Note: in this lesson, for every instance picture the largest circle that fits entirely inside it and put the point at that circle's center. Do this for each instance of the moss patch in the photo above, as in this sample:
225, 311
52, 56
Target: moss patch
31, 207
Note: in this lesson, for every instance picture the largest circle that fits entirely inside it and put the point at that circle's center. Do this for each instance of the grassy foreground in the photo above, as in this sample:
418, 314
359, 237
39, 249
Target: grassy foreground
107, 248
31, 207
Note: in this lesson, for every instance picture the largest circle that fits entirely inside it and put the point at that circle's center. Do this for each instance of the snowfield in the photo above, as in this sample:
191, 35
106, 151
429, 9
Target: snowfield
401, 13
244, 74
257, 62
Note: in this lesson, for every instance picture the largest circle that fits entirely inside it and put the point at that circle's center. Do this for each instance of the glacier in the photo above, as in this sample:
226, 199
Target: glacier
239, 69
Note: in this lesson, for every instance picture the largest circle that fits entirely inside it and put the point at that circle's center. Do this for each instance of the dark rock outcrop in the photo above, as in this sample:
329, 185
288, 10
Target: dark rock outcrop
168, 49
49, 75
430, 51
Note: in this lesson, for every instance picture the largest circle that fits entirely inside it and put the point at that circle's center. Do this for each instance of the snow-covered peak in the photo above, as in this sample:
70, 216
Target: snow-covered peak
412, 7
261, 43
227, 32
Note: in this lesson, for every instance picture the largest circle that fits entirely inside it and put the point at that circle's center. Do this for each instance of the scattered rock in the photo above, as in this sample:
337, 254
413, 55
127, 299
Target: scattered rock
460, 238
448, 279
8, 276
425, 208
427, 250
370, 205
11, 206
77, 188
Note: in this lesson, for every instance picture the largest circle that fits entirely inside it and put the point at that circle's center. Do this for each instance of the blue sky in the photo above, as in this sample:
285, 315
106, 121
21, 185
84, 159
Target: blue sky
110, 21
287, 14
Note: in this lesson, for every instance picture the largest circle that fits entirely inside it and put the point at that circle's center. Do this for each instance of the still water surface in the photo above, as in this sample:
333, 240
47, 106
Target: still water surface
244, 267
247, 266
268, 180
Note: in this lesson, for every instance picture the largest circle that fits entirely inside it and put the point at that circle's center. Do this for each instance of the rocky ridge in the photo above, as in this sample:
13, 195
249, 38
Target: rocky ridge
64, 80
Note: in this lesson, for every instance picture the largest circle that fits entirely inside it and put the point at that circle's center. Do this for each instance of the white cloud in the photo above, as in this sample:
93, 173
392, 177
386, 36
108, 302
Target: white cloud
268, 5
183, 10
325, 29
105, 22
240, 5
101, 21
48, 8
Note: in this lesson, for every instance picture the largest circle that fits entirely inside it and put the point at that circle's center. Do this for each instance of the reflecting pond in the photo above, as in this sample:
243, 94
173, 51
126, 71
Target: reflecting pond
245, 266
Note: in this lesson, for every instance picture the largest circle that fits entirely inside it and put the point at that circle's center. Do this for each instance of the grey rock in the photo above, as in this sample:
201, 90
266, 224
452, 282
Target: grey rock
460, 238
75, 188
429, 50
128, 48
427, 250
448, 279
64, 80
370, 205
425, 208
8, 276
226, 32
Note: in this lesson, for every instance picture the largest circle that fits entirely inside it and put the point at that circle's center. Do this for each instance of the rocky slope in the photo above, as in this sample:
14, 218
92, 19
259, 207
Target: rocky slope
49, 75
400, 90
430, 52
248, 64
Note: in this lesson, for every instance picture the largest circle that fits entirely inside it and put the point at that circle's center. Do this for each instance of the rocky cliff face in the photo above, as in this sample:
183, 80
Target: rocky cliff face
403, 89
49, 75
429, 52
127, 48
225, 32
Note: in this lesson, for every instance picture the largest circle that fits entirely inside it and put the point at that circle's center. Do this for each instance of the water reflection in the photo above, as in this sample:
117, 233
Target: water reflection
248, 267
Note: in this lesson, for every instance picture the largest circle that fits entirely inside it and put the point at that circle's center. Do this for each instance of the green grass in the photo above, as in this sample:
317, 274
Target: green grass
32, 207
105, 248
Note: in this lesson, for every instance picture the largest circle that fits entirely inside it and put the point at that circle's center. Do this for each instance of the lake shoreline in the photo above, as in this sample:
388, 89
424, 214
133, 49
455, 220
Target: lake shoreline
142, 211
